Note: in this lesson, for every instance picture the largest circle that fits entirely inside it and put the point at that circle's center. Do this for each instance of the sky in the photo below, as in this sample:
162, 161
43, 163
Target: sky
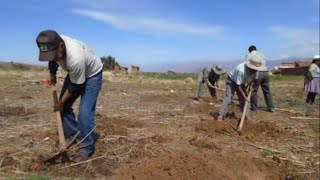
143, 32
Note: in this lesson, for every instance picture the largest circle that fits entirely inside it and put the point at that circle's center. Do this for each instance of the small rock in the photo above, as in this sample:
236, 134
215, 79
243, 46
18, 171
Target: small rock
276, 159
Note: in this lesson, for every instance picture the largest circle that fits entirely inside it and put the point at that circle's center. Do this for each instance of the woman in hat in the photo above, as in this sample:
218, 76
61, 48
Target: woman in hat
209, 76
312, 80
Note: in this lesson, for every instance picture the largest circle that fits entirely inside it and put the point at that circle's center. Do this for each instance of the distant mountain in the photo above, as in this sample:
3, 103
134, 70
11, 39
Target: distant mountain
187, 66
196, 66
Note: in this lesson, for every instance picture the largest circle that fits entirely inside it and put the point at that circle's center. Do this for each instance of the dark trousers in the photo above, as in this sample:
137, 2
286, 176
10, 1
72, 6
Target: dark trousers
311, 97
263, 81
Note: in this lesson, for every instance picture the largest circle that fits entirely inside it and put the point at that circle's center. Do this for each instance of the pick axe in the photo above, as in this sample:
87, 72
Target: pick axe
63, 146
244, 112
217, 88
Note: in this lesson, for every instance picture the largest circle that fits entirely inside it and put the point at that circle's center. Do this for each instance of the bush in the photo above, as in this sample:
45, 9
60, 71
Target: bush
109, 63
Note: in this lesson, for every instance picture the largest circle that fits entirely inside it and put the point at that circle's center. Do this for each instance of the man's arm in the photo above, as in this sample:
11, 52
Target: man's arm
208, 82
67, 95
206, 73
71, 90
77, 80
242, 93
53, 68
217, 81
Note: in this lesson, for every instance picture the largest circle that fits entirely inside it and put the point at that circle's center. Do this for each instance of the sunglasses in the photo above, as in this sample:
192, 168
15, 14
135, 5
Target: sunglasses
45, 47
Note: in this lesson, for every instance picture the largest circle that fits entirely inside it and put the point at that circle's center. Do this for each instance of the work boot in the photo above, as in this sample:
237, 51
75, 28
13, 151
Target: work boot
195, 98
79, 158
253, 108
220, 118
271, 110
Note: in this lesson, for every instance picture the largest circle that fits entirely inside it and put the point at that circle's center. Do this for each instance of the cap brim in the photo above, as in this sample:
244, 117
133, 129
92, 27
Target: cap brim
47, 56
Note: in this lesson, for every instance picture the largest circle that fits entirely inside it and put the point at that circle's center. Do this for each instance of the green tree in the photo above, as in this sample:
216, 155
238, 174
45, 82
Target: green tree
109, 62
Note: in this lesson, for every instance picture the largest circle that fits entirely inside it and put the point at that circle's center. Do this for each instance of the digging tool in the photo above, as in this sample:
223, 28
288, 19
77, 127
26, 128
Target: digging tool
284, 110
62, 140
244, 112
63, 146
215, 87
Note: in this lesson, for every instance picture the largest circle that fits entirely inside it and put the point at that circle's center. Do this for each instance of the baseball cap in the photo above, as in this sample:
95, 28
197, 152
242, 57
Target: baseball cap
48, 42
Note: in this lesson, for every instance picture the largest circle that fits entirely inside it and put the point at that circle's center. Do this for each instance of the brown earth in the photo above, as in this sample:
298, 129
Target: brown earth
150, 129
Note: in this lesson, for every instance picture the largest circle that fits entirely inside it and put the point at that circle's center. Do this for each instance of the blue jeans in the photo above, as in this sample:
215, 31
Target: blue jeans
86, 122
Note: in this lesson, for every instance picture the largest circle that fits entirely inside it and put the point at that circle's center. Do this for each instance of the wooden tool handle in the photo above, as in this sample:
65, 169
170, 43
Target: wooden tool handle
62, 140
215, 87
244, 113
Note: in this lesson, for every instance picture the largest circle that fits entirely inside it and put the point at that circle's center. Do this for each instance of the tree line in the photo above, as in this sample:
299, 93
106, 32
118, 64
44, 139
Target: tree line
109, 62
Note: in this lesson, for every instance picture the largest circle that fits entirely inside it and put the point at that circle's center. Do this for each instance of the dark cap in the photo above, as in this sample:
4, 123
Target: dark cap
48, 42
252, 48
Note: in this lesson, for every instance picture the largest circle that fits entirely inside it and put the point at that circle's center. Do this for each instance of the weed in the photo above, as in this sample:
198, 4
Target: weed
266, 153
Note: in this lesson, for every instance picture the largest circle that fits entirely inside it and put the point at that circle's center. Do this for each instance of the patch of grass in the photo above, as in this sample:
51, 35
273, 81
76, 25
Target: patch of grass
286, 78
176, 76
37, 177
32, 177
266, 153
296, 102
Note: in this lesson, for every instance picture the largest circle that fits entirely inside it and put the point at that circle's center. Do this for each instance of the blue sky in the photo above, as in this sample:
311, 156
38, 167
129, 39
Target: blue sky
164, 31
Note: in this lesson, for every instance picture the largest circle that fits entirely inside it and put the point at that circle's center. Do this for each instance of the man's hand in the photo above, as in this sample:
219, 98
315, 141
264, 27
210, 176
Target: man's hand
53, 79
58, 107
247, 99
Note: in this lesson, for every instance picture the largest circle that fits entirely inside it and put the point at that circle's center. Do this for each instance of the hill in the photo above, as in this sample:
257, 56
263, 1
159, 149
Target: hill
16, 66
196, 66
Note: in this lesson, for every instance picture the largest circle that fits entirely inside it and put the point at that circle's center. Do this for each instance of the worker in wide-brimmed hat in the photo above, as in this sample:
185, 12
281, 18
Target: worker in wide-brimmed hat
312, 80
263, 81
209, 76
242, 74
84, 80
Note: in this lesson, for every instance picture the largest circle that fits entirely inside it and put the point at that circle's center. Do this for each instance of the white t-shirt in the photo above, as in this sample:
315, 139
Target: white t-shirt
80, 62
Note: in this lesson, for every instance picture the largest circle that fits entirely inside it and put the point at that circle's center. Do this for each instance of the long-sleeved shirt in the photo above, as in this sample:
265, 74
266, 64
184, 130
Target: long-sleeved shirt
207, 75
313, 71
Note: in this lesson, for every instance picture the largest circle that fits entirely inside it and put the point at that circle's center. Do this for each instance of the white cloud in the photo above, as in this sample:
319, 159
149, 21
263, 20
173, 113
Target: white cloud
300, 42
151, 25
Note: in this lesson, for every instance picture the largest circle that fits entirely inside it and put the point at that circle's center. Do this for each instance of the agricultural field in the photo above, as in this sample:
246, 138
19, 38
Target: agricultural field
149, 128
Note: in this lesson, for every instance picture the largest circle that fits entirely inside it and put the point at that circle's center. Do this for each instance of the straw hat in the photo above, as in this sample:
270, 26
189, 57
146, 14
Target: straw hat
218, 70
254, 60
